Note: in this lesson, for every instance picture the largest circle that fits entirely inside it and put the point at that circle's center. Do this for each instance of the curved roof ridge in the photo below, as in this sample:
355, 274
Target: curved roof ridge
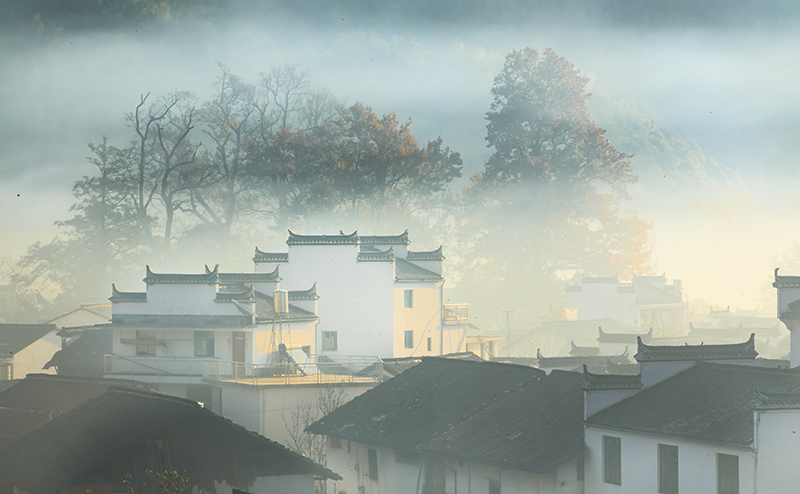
261, 256
118, 296
744, 350
609, 381
341, 239
401, 239
310, 294
429, 255
379, 255
209, 278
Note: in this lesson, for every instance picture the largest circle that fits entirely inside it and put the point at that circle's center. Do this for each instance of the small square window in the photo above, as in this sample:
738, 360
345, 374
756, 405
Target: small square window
408, 339
494, 487
408, 299
329, 341
336, 443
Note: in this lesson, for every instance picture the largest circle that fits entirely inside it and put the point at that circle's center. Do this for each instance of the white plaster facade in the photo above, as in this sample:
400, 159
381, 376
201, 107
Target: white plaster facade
402, 475
697, 464
32, 358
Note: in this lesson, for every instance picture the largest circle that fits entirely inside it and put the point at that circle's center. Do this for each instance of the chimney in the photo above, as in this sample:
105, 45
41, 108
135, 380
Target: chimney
281, 301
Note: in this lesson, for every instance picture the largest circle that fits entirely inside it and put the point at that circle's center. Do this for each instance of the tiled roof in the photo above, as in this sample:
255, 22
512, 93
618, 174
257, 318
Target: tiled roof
84, 356
265, 308
786, 281
341, 239
582, 350
249, 278
118, 296
431, 255
38, 398
395, 366
377, 255
627, 338
247, 295
782, 401
401, 239
310, 294
650, 353
262, 256
486, 412
599, 279
210, 278
126, 428
707, 402
408, 272
609, 381
16, 337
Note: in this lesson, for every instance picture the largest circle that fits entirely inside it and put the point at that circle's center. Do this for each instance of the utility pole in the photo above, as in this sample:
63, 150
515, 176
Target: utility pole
508, 331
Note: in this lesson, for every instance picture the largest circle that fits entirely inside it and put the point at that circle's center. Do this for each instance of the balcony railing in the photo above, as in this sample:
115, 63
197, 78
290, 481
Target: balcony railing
320, 370
119, 365
324, 370
455, 312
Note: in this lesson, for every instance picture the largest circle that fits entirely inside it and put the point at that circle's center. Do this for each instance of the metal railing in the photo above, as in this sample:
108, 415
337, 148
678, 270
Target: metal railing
119, 365
455, 312
321, 370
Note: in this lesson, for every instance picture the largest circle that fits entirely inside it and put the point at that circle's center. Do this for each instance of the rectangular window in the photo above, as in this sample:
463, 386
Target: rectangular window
408, 339
727, 474
667, 469
494, 486
373, 464
408, 299
145, 350
329, 341
430, 344
203, 343
612, 460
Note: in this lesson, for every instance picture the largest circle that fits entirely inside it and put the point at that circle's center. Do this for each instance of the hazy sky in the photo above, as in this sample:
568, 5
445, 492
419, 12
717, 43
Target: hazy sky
731, 89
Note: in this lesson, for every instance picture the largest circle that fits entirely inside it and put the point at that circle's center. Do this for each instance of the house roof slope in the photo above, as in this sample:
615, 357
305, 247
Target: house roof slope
536, 428
265, 308
409, 272
85, 354
16, 337
396, 365
441, 404
127, 432
708, 402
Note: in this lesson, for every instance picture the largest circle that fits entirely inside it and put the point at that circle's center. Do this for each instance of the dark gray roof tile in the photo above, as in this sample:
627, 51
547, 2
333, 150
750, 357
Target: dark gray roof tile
431, 255
209, 278
651, 353
408, 272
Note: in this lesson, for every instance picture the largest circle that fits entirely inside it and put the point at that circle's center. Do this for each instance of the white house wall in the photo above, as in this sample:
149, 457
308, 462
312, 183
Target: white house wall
268, 409
778, 447
697, 465
603, 301
31, 359
464, 477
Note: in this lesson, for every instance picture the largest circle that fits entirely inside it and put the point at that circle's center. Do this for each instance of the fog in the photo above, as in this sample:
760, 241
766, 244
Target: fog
727, 89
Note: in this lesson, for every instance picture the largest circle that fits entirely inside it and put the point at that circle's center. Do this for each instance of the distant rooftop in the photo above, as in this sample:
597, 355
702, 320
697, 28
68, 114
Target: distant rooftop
736, 351
209, 278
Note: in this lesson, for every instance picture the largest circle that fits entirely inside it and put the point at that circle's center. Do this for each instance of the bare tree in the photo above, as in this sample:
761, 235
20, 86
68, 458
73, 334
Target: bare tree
313, 446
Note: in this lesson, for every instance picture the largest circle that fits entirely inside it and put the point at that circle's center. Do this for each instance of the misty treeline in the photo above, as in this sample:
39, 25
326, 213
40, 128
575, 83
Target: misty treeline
258, 158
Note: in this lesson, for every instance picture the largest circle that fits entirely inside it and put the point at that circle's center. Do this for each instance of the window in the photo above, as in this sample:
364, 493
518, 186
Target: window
203, 343
329, 343
430, 344
406, 456
145, 350
612, 460
373, 464
408, 299
667, 469
727, 474
336, 443
6, 372
494, 486
408, 339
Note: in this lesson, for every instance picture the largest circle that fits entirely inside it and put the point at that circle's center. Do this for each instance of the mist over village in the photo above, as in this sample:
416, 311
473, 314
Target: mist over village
406, 247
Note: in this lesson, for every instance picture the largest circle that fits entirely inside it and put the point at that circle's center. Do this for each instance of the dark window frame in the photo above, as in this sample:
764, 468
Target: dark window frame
408, 299
408, 338
612, 460
204, 344
329, 337
373, 463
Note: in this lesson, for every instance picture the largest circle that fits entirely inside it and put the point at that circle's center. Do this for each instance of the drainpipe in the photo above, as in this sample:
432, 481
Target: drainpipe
441, 319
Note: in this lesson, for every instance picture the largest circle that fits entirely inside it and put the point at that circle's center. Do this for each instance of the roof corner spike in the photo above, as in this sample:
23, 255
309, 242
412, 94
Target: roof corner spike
639, 345
776, 273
